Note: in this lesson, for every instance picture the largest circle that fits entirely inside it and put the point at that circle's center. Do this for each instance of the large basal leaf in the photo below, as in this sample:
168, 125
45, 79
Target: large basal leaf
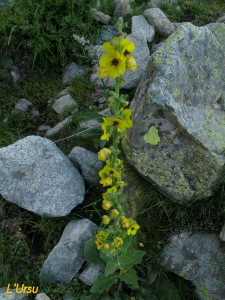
130, 278
91, 253
125, 260
104, 283
111, 267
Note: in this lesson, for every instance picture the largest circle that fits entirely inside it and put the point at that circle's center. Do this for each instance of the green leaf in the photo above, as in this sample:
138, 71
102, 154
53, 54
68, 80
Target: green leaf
104, 283
111, 267
165, 289
152, 276
125, 260
152, 136
91, 253
102, 143
6, 63
129, 259
130, 278
92, 116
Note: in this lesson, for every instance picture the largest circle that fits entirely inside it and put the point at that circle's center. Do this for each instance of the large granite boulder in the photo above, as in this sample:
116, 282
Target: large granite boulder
37, 176
182, 94
199, 258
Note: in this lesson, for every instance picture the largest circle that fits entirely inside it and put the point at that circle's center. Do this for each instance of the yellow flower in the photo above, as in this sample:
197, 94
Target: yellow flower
133, 229
127, 47
114, 249
106, 219
106, 246
107, 133
126, 116
118, 241
113, 62
107, 173
108, 46
115, 213
106, 204
100, 238
131, 63
123, 271
103, 153
126, 222
108, 122
103, 72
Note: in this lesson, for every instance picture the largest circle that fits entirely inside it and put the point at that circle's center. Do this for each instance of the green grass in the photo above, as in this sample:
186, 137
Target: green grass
29, 27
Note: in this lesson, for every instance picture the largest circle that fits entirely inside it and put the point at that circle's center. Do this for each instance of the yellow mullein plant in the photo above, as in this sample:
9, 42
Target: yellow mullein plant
113, 245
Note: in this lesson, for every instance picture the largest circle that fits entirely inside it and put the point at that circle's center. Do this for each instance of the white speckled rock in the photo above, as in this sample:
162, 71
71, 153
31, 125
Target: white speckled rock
37, 176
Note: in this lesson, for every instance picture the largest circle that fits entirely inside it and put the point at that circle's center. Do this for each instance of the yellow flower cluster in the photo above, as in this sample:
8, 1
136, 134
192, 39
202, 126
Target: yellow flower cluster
117, 59
122, 123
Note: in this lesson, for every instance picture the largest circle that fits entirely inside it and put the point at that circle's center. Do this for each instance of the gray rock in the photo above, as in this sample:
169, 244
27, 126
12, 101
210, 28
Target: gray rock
159, 3
221, 19
44, 128
87, 163
122, 8
38, 177
63, 103
200, 259
222, 233
177, 96
72, 71
42, 296
159, 21
65, 260
140, 24
156, 46
106, 33
25, 105
100, 16
94, 123
90, 273
56, 129
4, 3
14, 295
16, 76
142, 56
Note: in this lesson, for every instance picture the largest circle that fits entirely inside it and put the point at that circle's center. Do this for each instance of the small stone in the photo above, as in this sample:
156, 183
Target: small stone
41, 296
101, 100
44, 128
14, 295
122, 8
106, 33
72, 71
90, 273
222, 233
159, 21
26, 105
140, 24
63, 103
56, 129
100, 16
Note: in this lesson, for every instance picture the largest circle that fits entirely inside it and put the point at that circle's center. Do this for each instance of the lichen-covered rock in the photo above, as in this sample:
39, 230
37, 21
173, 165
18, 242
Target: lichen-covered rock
66, 258
181, 94
199, 258
37, 176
